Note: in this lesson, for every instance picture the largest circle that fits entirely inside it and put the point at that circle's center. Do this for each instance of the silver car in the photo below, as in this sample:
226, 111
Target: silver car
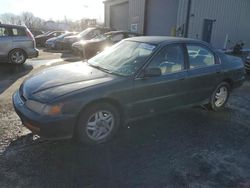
16, 44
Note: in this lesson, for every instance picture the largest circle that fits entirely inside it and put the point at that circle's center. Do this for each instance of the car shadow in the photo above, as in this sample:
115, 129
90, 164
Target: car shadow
10, 73
154, 152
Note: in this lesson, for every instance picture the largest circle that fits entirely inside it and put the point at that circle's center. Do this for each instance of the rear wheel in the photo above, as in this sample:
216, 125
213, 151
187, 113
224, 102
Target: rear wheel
98, 123
220, 96
17, 57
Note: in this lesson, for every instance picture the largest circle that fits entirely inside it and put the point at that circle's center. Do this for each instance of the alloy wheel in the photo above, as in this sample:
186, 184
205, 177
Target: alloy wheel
100, 125
17, 57
221, 96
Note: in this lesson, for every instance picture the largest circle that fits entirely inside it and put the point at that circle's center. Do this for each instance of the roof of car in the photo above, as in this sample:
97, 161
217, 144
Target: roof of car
120, 31
160, 39
11, 25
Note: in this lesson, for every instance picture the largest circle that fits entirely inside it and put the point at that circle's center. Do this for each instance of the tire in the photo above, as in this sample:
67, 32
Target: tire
95, 121
220, 96
17, 56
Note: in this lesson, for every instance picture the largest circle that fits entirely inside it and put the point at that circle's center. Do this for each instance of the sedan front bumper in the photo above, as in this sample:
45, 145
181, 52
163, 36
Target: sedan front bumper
48, 127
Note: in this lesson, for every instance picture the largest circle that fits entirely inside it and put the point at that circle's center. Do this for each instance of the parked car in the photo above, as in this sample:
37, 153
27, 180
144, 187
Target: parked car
16, 44
247, 64
41, 39
136, 77
36, 32
89, 48
52, 43
87, 34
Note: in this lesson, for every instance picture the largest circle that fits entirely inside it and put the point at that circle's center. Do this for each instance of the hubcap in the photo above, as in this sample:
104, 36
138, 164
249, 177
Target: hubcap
100, 125
221, 96
17, 57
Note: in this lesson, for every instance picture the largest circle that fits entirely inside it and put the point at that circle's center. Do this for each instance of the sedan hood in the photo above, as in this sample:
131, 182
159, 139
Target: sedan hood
72, 37
52, 39
60, 80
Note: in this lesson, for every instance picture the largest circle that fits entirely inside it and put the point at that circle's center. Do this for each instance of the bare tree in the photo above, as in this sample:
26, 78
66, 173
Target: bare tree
10, 18
28, 19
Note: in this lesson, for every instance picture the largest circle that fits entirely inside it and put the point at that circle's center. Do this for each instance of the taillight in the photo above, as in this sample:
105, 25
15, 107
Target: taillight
29, 34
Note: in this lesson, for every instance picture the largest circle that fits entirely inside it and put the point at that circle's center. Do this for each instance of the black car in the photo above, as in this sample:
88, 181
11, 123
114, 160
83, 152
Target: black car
89, 48
87, 34
247, 64
36, 32
41, 39
136, 77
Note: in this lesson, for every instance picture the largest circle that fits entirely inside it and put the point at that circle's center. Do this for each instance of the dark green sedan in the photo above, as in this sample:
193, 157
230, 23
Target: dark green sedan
135, 78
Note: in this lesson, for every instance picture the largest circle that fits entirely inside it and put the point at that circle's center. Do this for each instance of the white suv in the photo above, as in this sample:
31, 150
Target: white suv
16, 44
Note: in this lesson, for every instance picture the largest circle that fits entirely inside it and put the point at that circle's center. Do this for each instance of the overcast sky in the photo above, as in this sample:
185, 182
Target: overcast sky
55, 9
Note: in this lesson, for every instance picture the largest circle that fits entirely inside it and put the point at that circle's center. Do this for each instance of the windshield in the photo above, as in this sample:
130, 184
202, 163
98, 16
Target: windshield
64, 35
103, 36
124, 58
85, 32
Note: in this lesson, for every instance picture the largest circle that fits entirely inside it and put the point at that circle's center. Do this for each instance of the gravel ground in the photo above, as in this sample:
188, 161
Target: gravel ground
187, 148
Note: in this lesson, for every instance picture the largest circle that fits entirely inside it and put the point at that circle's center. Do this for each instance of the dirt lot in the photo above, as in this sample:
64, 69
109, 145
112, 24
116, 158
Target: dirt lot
187, 148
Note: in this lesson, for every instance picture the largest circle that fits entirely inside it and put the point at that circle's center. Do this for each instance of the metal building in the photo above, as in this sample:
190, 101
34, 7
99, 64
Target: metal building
220, 22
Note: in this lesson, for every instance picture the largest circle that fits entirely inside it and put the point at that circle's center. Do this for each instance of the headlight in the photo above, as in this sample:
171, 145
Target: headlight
44, 108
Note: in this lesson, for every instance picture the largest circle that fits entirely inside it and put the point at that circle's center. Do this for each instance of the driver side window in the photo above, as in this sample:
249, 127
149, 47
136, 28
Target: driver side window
170, 59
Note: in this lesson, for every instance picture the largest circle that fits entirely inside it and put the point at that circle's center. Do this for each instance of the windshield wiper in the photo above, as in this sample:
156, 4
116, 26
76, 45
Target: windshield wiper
100, 68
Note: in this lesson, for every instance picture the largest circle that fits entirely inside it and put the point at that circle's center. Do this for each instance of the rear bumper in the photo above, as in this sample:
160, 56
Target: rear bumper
48, 127
66, 45
33, 53
76, 50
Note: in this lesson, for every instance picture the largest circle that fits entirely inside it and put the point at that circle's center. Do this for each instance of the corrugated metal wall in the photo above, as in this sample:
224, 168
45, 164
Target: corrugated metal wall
166, 11
119, 16
107, 10
136, 12
232, 18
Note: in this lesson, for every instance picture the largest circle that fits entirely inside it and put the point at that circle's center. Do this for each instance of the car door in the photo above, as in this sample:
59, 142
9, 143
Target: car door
157, 94
5, 41
204, 72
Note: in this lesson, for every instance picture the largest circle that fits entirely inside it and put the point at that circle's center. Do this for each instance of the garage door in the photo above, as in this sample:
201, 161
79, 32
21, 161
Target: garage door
161, 16
119, 16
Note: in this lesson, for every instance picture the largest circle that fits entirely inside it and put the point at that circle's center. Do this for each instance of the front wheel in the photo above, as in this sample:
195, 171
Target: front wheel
220, 96
98, 123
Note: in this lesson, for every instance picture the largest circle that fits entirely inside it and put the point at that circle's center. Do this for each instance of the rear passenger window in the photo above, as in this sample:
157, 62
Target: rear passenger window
200, 56
18, 32
4, 32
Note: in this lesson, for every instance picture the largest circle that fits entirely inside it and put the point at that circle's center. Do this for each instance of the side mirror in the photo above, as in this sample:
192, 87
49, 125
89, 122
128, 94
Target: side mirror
152, 72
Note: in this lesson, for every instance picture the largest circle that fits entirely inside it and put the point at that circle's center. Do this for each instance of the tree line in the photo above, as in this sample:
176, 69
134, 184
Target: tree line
29, 20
